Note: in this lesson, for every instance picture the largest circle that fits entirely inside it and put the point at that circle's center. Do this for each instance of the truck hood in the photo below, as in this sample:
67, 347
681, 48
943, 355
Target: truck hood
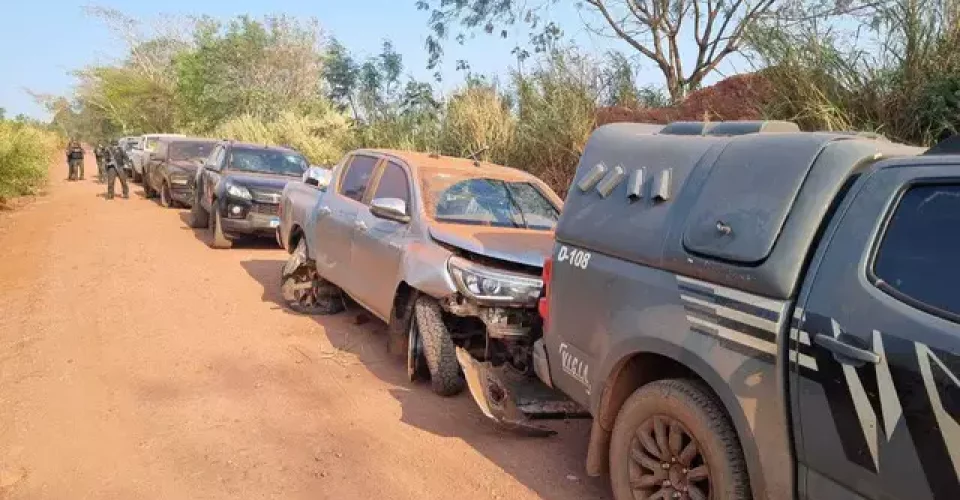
264, 182
529, 247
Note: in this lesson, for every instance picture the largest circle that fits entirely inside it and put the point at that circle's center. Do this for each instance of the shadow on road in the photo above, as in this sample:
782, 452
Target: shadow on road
357, 334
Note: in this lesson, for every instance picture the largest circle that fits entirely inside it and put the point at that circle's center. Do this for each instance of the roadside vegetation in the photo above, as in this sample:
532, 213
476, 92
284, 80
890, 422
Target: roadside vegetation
889, 67
26, 149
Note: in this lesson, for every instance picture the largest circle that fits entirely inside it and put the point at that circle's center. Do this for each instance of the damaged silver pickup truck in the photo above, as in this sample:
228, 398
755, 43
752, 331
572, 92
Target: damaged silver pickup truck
447, 251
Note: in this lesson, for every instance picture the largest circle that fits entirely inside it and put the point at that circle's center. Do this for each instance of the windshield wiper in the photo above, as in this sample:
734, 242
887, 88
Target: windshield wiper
516, 205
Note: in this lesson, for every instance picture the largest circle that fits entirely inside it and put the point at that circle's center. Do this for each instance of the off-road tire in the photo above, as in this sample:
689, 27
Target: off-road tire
692, 405
327, 297
198, 218
165, 200
445, 377
398, 329
217, 238
148, 190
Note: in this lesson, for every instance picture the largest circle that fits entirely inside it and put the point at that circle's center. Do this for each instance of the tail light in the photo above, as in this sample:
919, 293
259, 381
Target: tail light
543, 306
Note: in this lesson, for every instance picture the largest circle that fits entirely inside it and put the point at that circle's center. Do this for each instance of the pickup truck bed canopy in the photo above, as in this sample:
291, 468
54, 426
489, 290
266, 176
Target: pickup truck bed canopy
737, 210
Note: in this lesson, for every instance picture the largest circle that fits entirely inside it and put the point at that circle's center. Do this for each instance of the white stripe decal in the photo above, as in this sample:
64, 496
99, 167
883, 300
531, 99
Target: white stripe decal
730, 293
861, 405
806, 361
949, 430
889, 401
726, 312
800, 335
735, 336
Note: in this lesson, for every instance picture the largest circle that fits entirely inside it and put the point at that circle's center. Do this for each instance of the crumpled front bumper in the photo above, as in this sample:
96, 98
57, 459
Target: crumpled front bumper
514, 400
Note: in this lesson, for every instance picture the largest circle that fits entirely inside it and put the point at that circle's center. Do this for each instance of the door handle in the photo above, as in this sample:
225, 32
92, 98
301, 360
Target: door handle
845, 350
360, 225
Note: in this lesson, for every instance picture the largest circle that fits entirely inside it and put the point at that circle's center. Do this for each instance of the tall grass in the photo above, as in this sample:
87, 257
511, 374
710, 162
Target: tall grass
25, 153
478, 123
321, 137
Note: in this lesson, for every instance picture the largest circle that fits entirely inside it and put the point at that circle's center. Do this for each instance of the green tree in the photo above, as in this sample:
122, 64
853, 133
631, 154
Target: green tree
341, 74
248, 67
655, 29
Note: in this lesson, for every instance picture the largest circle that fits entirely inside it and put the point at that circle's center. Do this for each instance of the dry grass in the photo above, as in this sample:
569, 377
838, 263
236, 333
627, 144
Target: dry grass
25, 154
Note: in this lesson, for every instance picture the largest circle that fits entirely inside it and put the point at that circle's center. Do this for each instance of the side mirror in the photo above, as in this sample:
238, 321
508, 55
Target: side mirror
393, 209
317, 176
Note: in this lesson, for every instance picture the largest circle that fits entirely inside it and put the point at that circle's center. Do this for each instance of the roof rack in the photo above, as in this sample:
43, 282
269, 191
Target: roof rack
737, 127
948, 146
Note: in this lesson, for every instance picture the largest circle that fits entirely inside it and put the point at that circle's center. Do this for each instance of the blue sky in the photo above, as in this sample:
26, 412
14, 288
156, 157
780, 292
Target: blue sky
41, 41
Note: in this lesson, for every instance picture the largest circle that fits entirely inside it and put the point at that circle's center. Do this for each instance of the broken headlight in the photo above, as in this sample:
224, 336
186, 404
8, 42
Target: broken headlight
486, 284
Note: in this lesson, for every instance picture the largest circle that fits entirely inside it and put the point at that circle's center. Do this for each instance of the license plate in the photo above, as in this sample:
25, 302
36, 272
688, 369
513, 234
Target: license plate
274, 222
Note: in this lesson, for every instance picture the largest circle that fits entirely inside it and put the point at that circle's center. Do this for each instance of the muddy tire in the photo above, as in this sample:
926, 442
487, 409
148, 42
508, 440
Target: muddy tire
166, 201
404, 340
217, 238
304, 291
398, 330
438, 349
198, 218
672, 437
148, 190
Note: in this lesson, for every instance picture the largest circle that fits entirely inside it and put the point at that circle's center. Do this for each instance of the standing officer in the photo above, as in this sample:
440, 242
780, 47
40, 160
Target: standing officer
101, 153
114, 166
75, 159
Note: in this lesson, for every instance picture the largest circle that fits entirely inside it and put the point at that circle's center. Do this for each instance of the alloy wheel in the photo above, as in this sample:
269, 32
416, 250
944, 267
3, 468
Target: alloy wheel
666, 462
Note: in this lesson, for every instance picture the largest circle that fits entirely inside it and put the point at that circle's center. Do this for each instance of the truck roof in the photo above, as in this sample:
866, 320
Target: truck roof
433, 161
733, 203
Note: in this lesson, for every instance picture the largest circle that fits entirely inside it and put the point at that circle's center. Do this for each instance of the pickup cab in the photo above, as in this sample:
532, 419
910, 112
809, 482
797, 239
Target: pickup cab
172, 169
749, 311
237, 190
447, 251
141, 151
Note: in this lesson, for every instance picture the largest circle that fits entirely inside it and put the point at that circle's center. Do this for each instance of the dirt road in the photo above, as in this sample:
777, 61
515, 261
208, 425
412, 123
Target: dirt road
135, 362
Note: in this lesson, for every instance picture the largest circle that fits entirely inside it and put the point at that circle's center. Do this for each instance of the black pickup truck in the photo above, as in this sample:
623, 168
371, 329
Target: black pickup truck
238, 190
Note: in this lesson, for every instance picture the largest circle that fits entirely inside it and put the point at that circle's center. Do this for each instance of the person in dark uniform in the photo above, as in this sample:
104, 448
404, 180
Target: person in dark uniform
114, 166
75, 160
101, 153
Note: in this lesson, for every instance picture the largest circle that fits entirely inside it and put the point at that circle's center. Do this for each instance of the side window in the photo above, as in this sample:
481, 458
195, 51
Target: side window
214, 159
394, 184
354, 183
918, 259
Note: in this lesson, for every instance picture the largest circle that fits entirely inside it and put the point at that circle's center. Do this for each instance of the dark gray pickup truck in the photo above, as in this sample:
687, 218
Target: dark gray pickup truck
237, 190
748, 311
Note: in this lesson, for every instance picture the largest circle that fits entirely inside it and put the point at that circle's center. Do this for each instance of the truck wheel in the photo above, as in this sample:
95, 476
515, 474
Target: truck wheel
438, 348
217, 238
304, 290
147, 189
199, 218
165, 200
672, 439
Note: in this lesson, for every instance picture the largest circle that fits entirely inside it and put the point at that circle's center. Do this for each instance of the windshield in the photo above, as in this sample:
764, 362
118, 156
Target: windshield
457, 198
268, 161
190, 150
